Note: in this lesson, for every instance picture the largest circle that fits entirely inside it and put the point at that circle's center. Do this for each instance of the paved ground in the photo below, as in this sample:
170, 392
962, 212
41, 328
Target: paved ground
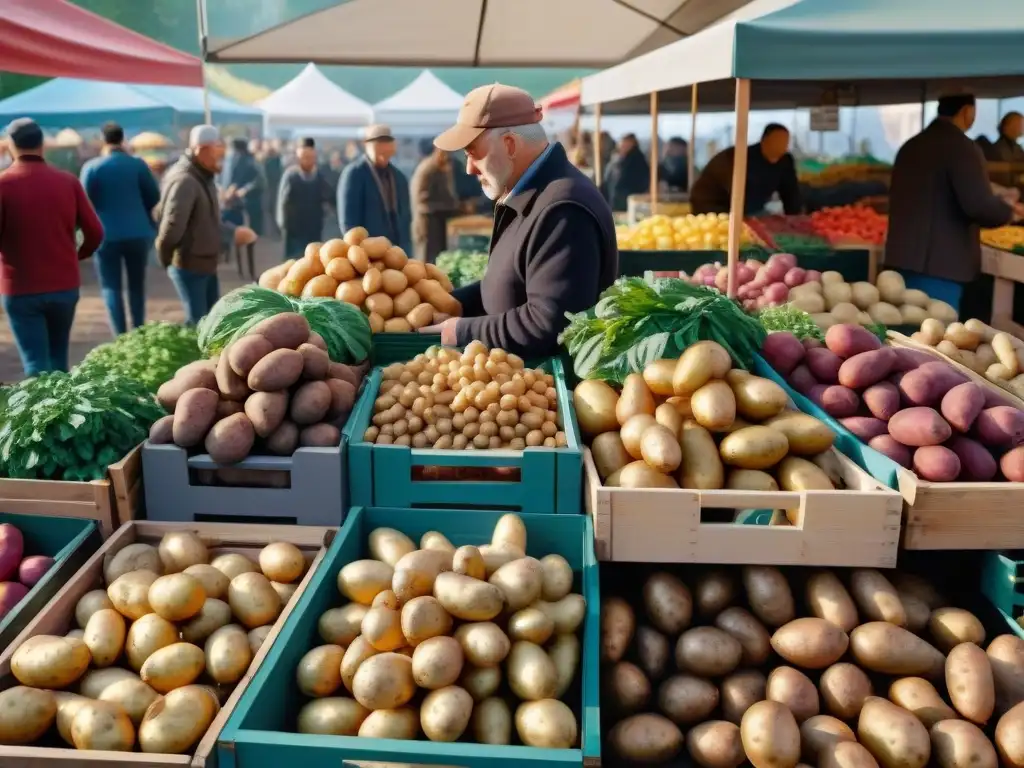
91, 325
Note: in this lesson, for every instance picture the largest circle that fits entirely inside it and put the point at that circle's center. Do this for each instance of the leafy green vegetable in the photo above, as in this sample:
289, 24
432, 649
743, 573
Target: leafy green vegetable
635, 323
463, 267
150, 354
343, 326
879, 330
789, 318
72, 426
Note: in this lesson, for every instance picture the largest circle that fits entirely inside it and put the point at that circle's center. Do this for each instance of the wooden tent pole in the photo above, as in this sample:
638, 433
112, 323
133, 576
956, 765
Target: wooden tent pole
739, 180
691, 155
598, 157
654, 152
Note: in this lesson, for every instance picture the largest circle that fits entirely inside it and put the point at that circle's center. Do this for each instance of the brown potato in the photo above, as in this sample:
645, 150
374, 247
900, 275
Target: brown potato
708, 651
821, 732
751, 634
740, 691
894, 737
714, 592
846, 754
716, 744
668, 602
653, 651
1009, 737
876, 597
956, 743
627, 687
1006, 655
828, 599
686, 699
618, 622
646, 738
769, 594
793, 688
810, 643
918, 696
844, 688
879, 646
952, 626
771, 738
970, 683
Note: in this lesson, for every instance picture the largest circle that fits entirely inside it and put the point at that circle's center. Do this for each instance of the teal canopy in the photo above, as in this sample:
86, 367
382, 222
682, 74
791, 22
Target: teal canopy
85, 104
814, 52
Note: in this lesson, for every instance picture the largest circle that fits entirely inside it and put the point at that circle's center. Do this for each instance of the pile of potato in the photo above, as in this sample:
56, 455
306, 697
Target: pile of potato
430, 634
274, 389
919, 411
996, 355
398, 295
859, 673
474, 399
887, 302
696, 422
155, 653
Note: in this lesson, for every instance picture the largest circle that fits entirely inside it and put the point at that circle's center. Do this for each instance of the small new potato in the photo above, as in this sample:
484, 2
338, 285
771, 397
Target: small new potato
319, 670
228, 654
180, 549
134, 557
67, 707
90, 602
360, 581
100, 725
214, 582
384, 681
483, 643
46, 661
25, 714
445, 713
423, 618
382, 628
130, 593
149, 634
177, 721
437, 662
568, 613
389, 546
282, 562
547, 723
173, 666
105, 636
334, 716
94, 682
233, 564
520, 581
176, 596
341, 626
253, 601
212, 616
509, 531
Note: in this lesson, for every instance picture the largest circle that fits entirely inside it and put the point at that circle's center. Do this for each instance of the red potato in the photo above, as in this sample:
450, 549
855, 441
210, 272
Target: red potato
1012, 465
867, 368
917, 427
1001, 426
887, 445
11, 593
929, 383
802, 380
847, 340
783, 351
811, 343
824, 364
33, 568
194, 414
962, 404
882, 399
865, 427
976, 462
936, 463
12, 547
909, 359
994, 398
836, 400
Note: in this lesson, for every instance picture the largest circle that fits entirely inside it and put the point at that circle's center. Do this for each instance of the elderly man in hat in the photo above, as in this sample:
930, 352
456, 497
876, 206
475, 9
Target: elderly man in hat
300, 201
553, 246
41, 210
191, 236
372, 193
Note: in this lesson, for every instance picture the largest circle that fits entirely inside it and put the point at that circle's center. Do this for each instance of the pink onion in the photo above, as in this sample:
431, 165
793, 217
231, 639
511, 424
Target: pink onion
777, 292
795, 277
744, 274
783, 258
709, 280
812, 276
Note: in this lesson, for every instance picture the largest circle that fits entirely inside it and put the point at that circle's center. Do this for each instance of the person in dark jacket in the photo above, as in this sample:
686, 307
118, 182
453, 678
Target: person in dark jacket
770, 169
939, 198
124, 193
627, 174
553, 247
272, 168
1007, 148
242, 185
331, 171
300, 201
374, 194
41, 211
433, 203
674, 168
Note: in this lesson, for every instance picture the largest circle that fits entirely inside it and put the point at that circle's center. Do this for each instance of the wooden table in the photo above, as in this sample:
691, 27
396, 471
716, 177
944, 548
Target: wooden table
1007, 269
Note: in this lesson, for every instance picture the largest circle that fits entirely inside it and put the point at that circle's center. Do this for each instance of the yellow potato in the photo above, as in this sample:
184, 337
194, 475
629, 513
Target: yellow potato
492, 722
716, 744
233, 564
257, 637
212, 616
46, 661
444, 713
970, 683
770, 736
754, 447
806, 435
133, 696
214, 582
483, 643
594, 402
103, 726
181, 549
334, 716
90, 602
437, 662
341, 626
876, 597
358, 652
609, 454
228, 654
557, 577
509, 531
659, 447
568, 613
384, 681
758, 399
846, 754
361, 580
635, 398
564, 652
253, 601
640, 474
1009, 737
176, 597
435, 540
173, 667
382, 627
285, 591
495, 557
319, 671
531, 624
67, 707
1006, 655
548, 723
134, 557
892, 735
699, 363
468, 561
176, 722
521, 582
828, 599
467, 598
821, 732
714, 406
423, 618
918, 696
130, 593
105, 635
402, 723
701, 464
96, 681
531, 672
282, 562
658, 377
389, 545
25, 714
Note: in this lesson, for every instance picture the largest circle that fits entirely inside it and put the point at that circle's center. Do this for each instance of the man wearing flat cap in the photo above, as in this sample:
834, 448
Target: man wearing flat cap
300, 201
553, 246
372, 193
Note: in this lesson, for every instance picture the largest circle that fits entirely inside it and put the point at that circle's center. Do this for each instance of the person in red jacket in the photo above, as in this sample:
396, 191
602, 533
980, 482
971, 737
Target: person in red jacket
41, 211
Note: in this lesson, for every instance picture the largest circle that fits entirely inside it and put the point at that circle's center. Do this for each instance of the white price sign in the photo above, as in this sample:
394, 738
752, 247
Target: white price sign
825, 118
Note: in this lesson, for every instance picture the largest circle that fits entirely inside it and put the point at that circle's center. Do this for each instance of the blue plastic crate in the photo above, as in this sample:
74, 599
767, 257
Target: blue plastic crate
69, 541
260, 732
1002, 582
550, 479
390, 348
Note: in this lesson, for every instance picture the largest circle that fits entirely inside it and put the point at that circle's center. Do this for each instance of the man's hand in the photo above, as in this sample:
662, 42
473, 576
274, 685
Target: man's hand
1018, 211
447, 330
244, 236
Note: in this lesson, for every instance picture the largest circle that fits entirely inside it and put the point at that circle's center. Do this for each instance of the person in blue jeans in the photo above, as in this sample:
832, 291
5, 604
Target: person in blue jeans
124, 193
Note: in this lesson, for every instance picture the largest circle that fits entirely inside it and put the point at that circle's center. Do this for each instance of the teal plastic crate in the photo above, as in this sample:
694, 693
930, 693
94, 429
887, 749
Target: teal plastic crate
69, 541
1002, 582
390, 348
260, 732
851, 263
550, 479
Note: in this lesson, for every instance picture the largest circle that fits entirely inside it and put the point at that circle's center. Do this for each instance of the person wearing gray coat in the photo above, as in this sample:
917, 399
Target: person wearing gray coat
432, 192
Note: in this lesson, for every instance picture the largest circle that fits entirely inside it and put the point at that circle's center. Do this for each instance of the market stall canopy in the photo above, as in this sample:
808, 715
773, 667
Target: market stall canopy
475, 33
816, 52
565, 97
71, 103
311, 99
426, 103
54, 38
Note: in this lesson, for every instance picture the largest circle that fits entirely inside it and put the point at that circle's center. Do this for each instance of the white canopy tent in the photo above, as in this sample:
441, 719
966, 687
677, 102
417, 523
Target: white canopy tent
311, 101
427, 105
475, 33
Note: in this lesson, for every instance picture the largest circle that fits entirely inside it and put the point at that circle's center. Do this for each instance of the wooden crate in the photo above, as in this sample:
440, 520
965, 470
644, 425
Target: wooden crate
58, 616
1007, 270
112, 501
859, 526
